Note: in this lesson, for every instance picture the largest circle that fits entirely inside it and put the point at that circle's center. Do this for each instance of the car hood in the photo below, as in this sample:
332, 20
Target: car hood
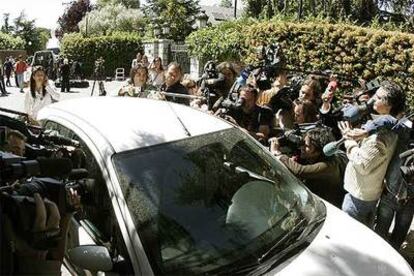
346, 247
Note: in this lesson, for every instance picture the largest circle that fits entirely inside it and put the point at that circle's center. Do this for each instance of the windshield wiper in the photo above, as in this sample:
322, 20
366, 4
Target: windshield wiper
240, 169
294, 246
293, 233
302, 230
257, 263
292, 241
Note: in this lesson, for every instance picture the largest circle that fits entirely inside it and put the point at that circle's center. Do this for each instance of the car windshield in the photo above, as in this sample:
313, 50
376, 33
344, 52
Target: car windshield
208, 202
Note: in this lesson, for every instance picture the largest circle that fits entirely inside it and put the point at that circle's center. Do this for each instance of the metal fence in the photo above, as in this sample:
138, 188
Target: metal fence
179, 54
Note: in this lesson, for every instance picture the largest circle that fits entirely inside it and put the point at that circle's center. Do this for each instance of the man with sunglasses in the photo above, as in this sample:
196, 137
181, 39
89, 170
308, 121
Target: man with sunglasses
323, 175
369, 155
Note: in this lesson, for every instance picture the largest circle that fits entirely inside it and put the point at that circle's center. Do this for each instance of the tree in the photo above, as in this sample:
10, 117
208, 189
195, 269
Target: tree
357, 10
10, 42
226, 4
112, 18
27, 31
179, 15
133, 4
6, 27
73, 14
44, 36
253, 8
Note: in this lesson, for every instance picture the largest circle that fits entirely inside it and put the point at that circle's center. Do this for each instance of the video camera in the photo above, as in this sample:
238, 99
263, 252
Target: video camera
211, 82
407, 157
286, 95
355, 111
271, 61
291, 140
407, 169
17, 201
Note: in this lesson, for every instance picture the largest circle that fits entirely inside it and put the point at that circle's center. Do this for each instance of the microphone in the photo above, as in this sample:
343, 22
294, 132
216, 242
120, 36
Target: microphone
241, 80
244, 75
332, 147
240, 102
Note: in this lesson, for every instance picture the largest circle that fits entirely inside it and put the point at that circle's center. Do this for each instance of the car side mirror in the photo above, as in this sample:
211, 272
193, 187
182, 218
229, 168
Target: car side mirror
91, 257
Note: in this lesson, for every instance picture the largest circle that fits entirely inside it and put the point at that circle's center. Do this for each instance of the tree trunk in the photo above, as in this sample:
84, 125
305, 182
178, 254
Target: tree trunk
346, 5
300, 10
269, 9
313, 7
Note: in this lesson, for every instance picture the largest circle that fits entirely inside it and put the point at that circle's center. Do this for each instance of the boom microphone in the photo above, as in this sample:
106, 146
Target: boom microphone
333, 147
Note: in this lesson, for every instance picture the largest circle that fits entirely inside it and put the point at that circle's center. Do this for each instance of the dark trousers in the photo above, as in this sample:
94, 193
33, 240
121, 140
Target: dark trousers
2, 85
65, 84
403, 212
8, 74
102, 91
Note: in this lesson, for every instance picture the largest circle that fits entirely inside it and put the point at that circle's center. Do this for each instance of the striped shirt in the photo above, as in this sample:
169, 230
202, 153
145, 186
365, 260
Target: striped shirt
368, 162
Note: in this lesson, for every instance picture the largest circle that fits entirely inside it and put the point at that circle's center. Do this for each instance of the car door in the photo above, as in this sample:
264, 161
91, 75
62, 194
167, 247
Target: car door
96, 223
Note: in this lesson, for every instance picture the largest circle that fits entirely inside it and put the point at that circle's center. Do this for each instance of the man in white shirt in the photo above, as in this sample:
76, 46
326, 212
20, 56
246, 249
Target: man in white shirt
369, 157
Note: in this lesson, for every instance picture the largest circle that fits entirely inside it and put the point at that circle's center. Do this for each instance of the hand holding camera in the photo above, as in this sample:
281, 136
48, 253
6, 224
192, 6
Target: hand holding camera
48, 236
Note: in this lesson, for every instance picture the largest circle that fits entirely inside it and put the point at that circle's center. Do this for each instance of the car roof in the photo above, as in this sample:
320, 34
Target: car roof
129, 123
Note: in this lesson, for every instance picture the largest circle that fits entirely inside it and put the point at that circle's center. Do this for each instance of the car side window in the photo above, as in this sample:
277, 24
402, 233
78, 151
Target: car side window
97, 213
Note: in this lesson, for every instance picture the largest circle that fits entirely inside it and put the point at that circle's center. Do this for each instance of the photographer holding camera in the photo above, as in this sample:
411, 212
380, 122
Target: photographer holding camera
279, 81
172, 83
15, 143
323, 175
369, 156
137, 85
254, 119
41, 251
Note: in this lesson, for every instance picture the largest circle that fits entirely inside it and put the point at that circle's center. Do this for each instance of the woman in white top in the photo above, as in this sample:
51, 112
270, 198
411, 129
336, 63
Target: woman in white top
157, 74
40, 94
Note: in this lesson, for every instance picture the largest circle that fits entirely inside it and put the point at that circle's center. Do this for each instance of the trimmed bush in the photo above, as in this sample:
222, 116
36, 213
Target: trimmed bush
222, 42
344, 48
9, 42
118, 50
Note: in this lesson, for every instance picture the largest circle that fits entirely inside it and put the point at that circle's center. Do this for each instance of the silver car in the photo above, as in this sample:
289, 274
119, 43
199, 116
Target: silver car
178, 191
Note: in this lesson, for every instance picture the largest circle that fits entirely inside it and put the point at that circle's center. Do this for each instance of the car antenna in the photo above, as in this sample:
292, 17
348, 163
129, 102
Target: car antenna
181, 122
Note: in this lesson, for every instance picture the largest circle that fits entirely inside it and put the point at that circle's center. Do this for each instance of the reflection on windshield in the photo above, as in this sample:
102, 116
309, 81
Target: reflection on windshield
207, 202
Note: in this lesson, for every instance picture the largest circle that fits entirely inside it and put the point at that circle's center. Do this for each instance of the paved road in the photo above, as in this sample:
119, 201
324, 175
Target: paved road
15, 100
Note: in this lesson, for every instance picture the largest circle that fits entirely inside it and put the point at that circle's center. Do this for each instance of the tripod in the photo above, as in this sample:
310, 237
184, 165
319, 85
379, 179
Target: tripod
101, 87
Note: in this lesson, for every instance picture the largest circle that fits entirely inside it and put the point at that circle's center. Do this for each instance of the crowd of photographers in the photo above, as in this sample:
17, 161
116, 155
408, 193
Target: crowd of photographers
345, 146
351, 149
359, 173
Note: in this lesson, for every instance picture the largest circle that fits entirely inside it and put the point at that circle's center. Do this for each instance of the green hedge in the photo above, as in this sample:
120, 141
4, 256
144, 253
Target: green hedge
117, 49
8, 42
344, 48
